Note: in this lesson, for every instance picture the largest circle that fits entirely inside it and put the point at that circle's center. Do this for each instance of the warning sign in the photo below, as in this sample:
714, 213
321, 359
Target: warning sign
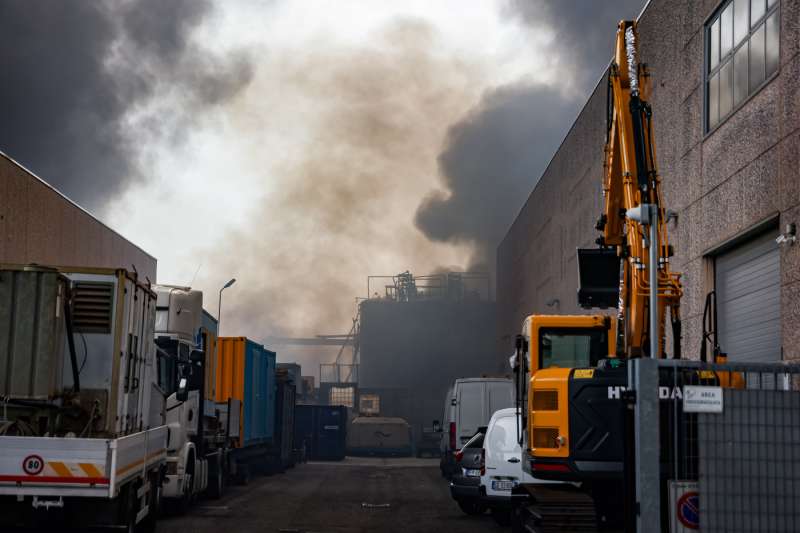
684, 502
688, 510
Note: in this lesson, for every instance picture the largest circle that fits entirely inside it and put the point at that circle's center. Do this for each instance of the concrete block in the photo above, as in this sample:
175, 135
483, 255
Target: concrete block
722, 214
790, 30
750, 131
691, 77
790, 318
690, 132
692, 333
790, 93
694, 289
790, 171
688, 222
761, 187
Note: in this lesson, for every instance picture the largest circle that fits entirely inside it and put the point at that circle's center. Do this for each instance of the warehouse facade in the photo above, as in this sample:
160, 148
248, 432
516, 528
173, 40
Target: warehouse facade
726, 111
40, 225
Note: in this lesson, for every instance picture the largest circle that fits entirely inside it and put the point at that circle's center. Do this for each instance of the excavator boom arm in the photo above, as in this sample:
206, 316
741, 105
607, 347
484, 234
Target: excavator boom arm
631, 181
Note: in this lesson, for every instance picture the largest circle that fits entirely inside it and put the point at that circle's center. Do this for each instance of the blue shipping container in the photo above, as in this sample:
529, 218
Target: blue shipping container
259, 387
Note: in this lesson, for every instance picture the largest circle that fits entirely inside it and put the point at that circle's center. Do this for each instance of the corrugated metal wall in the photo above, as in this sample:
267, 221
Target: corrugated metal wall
748, 284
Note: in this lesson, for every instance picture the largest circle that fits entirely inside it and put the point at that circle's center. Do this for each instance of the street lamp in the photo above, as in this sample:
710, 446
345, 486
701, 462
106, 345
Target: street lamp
219, 309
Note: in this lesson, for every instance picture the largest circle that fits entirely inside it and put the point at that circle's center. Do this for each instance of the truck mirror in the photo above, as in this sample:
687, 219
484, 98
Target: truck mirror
182, 394
197, 356
437, 426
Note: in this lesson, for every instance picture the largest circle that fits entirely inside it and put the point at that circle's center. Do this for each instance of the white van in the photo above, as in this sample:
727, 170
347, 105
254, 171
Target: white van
469, 404
502, 467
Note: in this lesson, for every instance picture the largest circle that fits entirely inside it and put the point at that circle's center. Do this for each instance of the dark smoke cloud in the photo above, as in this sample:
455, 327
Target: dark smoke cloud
72, 70
495, 155
491, 161
584, 32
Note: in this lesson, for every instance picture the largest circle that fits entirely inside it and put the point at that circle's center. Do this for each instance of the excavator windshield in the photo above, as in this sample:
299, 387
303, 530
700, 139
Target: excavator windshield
572, 347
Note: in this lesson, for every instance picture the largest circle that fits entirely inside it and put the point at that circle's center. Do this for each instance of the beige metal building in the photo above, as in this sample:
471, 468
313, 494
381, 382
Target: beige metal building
726, 110
40, 225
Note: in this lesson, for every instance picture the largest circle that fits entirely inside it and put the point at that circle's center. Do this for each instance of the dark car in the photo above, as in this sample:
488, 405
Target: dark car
465, 484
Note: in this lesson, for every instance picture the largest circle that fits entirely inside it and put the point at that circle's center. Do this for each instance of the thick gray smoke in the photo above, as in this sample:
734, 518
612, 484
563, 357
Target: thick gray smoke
73, 70
491, 161
584, 33
496, 154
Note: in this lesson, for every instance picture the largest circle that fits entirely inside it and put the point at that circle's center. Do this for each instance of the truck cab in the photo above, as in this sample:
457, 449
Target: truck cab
182, 369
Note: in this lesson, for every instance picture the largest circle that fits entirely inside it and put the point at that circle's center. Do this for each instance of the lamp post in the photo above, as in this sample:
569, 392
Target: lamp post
219, 308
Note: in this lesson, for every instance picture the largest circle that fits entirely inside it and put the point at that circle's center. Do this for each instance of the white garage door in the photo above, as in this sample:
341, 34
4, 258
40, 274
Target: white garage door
748, 300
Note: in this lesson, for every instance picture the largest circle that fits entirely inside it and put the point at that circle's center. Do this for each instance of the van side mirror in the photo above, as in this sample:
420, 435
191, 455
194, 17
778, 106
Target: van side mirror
182, 394
197, 356
437, 426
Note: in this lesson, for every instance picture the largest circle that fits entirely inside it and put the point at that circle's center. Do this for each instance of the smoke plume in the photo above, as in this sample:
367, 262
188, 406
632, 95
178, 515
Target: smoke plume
495, 154
340, 205
74, 73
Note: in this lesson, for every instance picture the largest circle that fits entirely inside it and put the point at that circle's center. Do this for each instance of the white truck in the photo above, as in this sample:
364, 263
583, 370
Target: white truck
82, 433
199, 436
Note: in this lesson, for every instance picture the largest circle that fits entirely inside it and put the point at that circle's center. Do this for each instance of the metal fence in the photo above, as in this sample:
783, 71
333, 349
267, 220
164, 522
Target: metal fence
725, 455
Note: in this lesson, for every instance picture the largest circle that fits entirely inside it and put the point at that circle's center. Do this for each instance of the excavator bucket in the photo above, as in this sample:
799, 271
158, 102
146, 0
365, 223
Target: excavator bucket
598, 273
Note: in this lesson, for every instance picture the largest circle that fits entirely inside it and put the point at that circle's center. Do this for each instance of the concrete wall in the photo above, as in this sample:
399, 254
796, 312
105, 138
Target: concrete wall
40, 225
722, 184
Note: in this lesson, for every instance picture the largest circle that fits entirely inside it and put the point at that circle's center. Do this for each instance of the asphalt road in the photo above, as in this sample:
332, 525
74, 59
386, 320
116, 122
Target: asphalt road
355, 495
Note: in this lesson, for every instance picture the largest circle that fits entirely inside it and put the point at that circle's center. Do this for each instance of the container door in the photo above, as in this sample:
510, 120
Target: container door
469, 410
331, 433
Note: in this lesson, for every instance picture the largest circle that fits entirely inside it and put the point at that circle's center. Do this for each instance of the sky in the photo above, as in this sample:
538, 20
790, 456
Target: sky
299, 146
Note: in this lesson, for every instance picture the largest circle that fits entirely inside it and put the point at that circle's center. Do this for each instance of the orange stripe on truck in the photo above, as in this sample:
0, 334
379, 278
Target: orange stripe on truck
90, 470
60, 469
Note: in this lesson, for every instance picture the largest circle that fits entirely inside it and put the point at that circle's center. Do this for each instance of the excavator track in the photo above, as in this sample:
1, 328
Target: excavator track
556, 510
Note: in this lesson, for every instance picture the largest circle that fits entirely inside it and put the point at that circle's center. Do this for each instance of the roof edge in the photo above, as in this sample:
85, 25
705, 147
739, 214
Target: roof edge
75, 204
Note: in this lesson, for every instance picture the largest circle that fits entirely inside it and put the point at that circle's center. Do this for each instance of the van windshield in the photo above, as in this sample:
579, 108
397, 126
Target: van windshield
571, 348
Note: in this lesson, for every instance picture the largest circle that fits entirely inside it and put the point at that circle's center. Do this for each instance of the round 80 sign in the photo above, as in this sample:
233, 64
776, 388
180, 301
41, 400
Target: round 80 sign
33, 465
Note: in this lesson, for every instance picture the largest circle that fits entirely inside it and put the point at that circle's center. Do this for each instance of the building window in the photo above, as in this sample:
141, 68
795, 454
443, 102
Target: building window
742, 43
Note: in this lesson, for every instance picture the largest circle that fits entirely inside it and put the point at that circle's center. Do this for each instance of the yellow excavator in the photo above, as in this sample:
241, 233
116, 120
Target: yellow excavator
571, 370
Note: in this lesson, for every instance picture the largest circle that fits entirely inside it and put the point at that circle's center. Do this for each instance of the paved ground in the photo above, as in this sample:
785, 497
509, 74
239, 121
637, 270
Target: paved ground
331, 497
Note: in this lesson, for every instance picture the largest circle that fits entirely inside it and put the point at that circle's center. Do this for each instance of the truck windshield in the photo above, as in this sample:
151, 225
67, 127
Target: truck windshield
571, 348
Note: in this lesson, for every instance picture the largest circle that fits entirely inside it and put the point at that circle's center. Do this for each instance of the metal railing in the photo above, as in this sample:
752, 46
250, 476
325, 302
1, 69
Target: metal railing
725, 453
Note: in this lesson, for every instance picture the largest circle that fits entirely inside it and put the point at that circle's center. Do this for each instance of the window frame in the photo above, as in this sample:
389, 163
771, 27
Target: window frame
730, 58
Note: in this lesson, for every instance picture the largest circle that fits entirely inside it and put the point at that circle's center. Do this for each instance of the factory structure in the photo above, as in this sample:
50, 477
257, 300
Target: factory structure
412, 338
726, 112
416, 336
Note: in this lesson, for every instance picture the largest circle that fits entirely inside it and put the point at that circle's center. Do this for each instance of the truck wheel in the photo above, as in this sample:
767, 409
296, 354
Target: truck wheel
217, 483
185, 503
128, 508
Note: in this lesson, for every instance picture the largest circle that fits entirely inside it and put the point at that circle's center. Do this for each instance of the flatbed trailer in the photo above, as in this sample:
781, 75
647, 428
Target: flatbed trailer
118, 479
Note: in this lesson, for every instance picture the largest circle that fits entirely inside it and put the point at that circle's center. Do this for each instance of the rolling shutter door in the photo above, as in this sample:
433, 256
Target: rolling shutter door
748, 300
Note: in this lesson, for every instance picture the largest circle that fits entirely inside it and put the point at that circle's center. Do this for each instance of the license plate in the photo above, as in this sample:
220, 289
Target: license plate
472, 472
502, 485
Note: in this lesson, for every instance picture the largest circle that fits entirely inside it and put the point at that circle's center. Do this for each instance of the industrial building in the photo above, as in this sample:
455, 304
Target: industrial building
417, 337
38, 224
726, 113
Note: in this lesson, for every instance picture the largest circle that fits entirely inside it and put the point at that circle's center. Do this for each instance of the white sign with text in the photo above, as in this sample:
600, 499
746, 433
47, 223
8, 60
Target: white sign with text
698, 399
